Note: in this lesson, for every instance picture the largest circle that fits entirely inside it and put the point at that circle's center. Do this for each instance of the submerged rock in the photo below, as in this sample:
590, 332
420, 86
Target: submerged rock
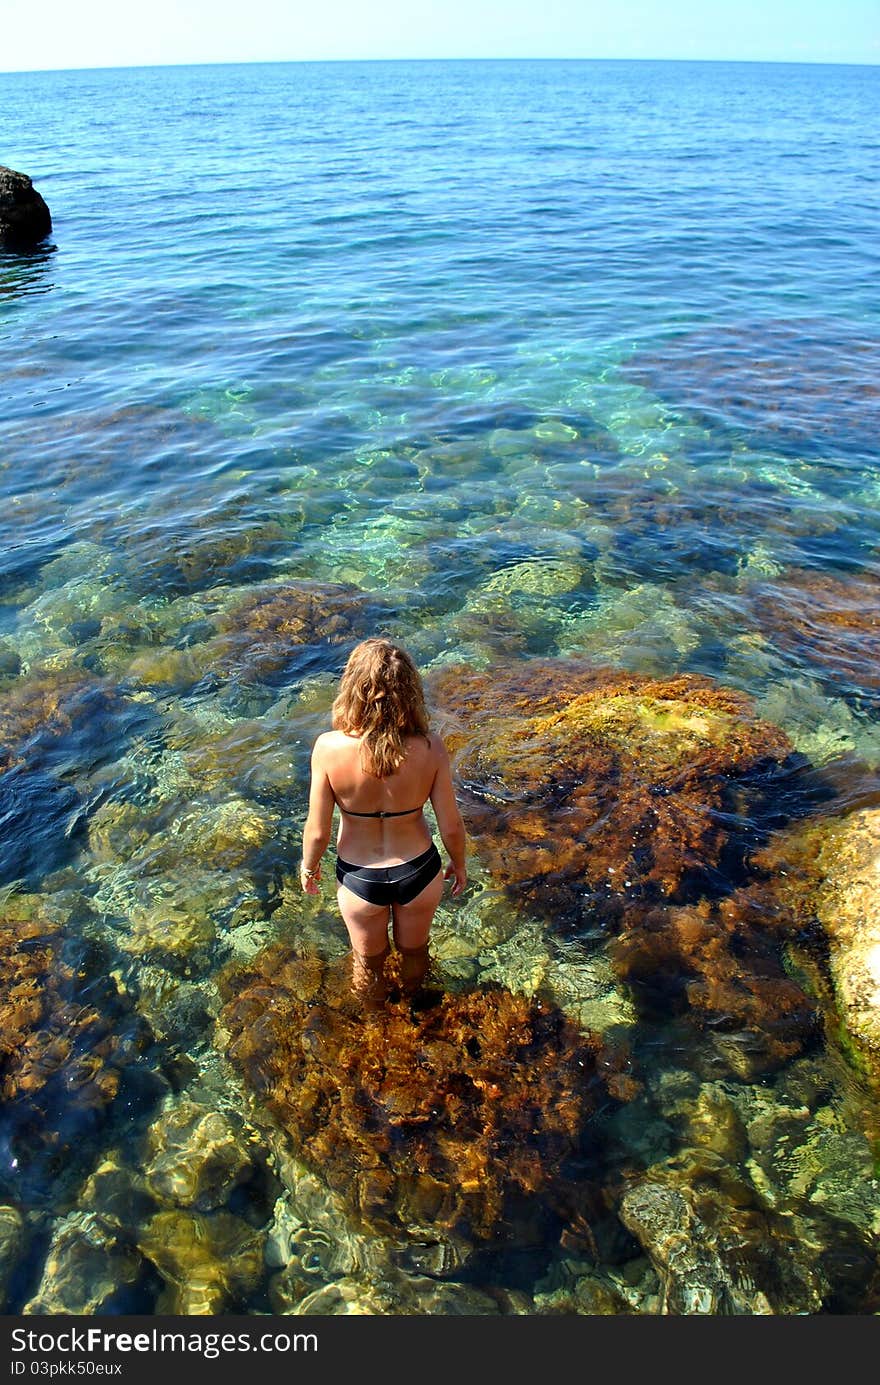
65, 1034
260, 633
44, 706
343, 1297
258, 755
210, 1264
227, 541
177, 1010
585, 788
12, 1239
202, 834
715, 1249
641, 627
821, 1166
10, 663
197, 1157
169, 878
821, 727
777, 380
310, 1237
587, 1294
536, 577
116, 830
116, 1191
25, 219
721, 964
89, 1269
176, 931
309, 1253
827, 871
400, 1296
829, 624
458, 1116
714, 1123
490, 626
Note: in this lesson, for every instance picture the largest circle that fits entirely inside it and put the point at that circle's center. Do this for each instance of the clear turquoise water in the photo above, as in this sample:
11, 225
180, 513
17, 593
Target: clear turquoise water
410, 326
302, 265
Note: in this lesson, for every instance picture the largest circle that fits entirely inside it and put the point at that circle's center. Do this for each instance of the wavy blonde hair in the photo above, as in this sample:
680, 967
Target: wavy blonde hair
382, 699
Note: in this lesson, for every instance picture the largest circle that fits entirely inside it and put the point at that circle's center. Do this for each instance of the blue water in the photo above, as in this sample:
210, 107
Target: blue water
414, 326
310, 260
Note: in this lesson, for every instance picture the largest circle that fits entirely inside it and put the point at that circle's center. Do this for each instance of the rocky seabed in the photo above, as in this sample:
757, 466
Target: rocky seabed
642, 1077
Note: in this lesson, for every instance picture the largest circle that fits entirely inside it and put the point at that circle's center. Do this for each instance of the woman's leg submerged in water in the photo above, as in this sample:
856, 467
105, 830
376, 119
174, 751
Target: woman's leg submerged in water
367, 926
412, 924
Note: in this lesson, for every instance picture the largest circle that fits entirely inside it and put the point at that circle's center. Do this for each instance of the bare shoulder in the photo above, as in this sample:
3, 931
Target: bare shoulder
326, 744
437, 749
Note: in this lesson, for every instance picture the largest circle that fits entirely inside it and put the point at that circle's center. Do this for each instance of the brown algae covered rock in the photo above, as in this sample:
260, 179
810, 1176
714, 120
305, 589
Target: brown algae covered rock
201, 548
586, 786
258, 634
460, 1115
49, 704
828, 624
721, 963
65, 1031
777, 379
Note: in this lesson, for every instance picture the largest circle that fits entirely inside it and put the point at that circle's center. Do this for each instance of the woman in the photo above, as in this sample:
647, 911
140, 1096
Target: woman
379, 765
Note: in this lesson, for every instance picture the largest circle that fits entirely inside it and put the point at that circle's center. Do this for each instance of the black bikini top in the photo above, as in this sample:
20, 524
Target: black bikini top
382, 813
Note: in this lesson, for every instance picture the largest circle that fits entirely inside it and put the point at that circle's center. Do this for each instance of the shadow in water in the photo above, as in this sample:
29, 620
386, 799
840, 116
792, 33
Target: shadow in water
24, 272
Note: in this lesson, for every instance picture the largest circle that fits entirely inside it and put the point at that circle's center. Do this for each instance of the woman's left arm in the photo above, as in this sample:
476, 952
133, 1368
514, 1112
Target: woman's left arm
316, 833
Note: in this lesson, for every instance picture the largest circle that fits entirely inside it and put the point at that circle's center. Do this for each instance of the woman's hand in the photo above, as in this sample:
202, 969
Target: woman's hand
309, 878
458, 874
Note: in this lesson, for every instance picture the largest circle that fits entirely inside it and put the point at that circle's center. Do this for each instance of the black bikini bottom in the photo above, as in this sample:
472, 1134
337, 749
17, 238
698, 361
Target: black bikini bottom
390, 884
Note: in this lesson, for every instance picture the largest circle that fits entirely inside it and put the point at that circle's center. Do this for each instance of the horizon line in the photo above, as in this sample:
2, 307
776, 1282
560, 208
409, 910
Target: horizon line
291, 62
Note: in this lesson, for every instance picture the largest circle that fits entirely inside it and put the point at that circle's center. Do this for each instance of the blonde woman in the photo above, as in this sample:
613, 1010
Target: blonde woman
379, 766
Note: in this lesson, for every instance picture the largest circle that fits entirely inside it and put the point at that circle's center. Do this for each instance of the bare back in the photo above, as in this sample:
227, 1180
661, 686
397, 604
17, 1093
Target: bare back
380, 841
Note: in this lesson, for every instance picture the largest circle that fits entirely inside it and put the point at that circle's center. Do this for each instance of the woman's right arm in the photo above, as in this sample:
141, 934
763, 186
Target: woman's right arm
449, 819
318, 824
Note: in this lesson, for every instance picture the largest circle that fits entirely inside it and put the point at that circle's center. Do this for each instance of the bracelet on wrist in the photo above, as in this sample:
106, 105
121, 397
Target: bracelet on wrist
310, 874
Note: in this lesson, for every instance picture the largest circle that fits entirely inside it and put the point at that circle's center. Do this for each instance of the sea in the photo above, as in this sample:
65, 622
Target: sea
514, 362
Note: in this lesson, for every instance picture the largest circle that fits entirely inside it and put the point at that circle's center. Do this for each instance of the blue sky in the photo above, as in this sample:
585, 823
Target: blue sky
107, 33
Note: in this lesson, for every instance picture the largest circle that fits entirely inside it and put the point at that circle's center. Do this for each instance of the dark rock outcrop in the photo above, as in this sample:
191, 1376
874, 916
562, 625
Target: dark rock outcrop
24, 216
